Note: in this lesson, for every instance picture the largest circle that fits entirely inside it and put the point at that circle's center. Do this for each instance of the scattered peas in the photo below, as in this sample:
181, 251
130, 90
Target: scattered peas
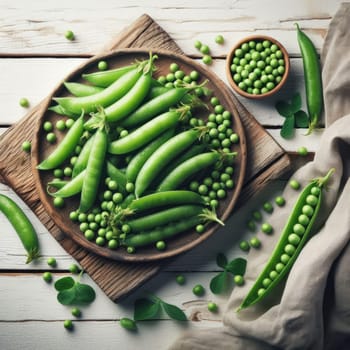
212, 307
219, 39
160, 245
74, 268
51, 137
280, 201
244, 245
180, 279
47, 126
197, 44
23, 102
47, 276
61, 125
69, 35
76, 312
266, 228
68, 324
58, 202
51, 262
251, 226
102, 65
207, 59
268, 207
302, 151
238, 280
257, 215
198, 290
255, 242
128, 324
26, 146
294, 184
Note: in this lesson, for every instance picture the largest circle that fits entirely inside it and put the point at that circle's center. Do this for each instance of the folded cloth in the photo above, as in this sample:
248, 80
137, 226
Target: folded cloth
311, 310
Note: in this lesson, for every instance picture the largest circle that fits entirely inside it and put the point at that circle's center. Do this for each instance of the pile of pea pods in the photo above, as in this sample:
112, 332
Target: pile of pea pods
144, 167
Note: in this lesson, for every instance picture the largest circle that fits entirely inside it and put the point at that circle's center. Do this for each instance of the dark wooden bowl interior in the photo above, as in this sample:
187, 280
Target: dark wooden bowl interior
41, 149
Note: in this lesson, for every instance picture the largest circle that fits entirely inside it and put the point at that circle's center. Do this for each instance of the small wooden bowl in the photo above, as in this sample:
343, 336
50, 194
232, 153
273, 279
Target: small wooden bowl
229, 74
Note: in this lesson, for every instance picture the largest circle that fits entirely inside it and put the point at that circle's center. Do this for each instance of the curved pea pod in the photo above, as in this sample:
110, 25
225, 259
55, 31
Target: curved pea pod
312, 77
22, 225
61, 111
81, 90
65, 147
293, 238
107, 77
166, 198
148, 237
145, 133
131, 100
163, 217
140, 158
104, 98
72, 187
94, 170
115, 174
163, 156
188, 168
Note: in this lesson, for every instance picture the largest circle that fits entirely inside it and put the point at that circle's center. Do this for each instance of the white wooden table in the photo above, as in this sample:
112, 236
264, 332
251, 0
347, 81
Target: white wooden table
34, 57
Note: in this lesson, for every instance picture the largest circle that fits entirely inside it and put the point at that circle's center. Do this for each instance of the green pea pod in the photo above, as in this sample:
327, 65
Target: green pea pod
72, 187
115, 174
166, 198
313, 79
61, 111
107, 77
163, 156
22, 225
140, 158
81, 90
65, 147
163, 217
188, 168
104, 98
145, 133
293, 238
94, 170
83, 157
131, 100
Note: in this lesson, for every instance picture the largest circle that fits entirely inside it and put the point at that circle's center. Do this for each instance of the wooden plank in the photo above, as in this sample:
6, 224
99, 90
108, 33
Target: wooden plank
114, 278
40, 28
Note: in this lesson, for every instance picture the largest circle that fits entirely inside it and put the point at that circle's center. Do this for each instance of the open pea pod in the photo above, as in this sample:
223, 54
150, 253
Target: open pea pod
292, 240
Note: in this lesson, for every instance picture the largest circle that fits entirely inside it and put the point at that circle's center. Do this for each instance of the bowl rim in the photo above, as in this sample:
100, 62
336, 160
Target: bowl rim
229, 57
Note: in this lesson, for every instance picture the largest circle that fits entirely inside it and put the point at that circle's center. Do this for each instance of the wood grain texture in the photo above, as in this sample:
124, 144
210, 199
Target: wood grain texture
265, 158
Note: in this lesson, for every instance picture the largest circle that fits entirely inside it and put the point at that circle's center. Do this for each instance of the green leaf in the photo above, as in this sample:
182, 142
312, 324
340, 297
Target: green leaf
219, 283
67, 296
287, 131
174, 312
284, 108
237, 266
296, 103
64, 283
84, 293
145, 309
301, 119
221, 260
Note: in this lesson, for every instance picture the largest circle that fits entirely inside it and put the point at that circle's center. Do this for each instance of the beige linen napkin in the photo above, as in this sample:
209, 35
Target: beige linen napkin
311, 310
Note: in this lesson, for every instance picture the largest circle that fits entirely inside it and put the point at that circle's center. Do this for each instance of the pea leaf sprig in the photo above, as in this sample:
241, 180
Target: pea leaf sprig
149, 307
220, 283
72, 292
294, 116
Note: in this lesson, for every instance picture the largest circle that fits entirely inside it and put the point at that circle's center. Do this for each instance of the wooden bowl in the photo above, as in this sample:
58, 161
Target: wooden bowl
41, 149
231, 55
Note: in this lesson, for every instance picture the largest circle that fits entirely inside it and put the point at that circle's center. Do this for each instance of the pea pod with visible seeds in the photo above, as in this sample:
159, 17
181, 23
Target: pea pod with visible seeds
22, 225
65, 148
72, 187
117, 175
313, 79
293, 238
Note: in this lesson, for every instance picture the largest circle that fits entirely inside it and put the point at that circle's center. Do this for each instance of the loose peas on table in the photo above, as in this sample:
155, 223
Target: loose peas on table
293, 237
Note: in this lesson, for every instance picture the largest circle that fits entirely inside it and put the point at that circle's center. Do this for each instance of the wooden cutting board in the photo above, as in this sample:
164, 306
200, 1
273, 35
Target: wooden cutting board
266, 161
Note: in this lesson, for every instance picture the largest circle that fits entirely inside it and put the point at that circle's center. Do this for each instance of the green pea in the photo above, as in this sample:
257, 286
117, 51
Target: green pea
302, 151
280, 201
76, 312
197, 44
307, 210
219, 39
255, 242
303, 220
69, 35
160, 245
266, 228
207, 59
293, 239
299, 229
315, 191
312, 200
89, 235
26, 146
244, 245
261, 291
74, 268
102, 65
47, 276
273, 274
198, 290
251, 225
58, 202
23, 102
279, 267
212, 307
68, 324
51, 262
69, 123
194, 75
113, 244
285, 258
257, 215
266, 282
268, 207
289, 249
238, 280
180, 279
294, 184
51, 137
130, 250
